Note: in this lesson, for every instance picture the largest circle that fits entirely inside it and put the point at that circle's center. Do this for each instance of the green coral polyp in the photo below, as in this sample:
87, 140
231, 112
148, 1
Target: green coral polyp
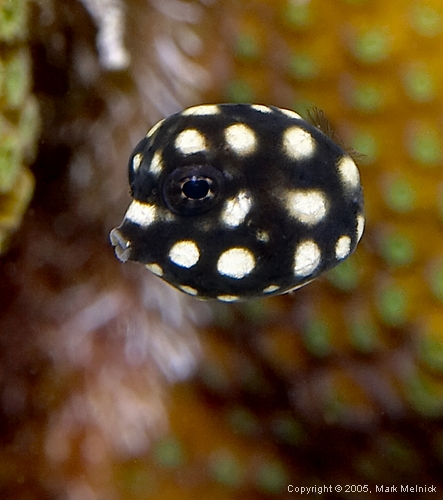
287, 430
371, 47
397, 249
272, 478
28, 126
423, 396
400, 195
425, 146
317, 338
363, 335
420, 85
19, 122
226, 469
240, 91
426, 21
17, 79
345, 276
436, 281
243, 421
10, 160
367, 98
13, 205
247, 47
303, 67
169, 453
13, 14
298, 15
392, 304
430, 351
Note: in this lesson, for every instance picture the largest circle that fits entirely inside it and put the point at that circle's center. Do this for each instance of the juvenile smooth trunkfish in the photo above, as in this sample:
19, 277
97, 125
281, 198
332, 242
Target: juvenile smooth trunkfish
236, 201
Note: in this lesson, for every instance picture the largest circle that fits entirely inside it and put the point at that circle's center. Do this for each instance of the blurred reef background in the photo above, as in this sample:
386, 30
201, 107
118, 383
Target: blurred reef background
114, 386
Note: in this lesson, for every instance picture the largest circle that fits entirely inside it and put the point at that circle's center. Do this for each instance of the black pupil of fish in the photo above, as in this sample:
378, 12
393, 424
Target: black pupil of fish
196, 188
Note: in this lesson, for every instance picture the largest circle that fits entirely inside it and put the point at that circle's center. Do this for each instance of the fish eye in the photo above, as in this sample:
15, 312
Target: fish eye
197, 188
193, 190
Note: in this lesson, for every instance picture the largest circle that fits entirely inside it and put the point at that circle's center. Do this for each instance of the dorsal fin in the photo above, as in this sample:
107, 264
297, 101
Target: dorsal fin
318, 118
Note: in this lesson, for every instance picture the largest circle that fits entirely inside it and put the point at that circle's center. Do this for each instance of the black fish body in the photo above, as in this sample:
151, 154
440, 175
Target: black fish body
236, 201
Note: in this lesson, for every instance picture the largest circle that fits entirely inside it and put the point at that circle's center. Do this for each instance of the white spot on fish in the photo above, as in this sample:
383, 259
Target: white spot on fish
360, 226
241, 139
236, 262
291, 114
189, 290
136, 161
184, 253
154, 129
190, 141
261, 108
155, 268
309, 207
349, 172
143, 214
205, 109
298, 144
228, 298
342, 247
307, 258
156, 165
236, 209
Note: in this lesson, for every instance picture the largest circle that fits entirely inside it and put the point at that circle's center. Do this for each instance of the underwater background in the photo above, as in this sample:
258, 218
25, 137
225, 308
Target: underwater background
113, 385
